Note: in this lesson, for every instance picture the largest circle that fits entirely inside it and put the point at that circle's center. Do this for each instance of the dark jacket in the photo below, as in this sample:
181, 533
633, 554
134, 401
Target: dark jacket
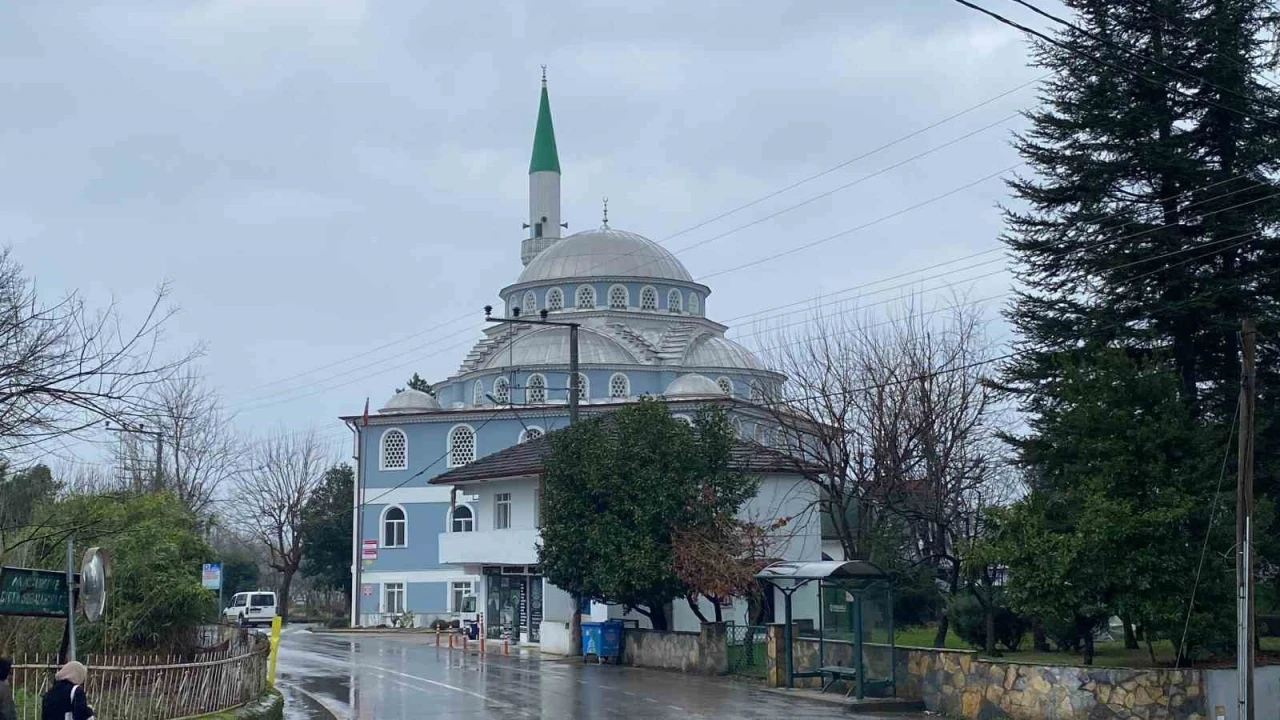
63, 698
7, 709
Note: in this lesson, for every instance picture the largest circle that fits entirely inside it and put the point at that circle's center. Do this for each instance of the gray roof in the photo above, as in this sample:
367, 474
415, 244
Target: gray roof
525, 460
604, 252
692, 385
715, 351
824, 570
550, 346
409, 401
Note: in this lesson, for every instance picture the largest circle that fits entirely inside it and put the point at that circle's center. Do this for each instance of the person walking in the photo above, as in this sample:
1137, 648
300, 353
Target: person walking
66, 699
8, 711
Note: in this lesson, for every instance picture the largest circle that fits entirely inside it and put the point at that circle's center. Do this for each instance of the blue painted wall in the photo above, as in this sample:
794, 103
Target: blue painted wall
515, 298
419, 598
424, 523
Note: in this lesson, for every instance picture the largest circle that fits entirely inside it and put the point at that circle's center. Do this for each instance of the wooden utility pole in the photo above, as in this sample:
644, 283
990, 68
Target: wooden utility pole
1244, 527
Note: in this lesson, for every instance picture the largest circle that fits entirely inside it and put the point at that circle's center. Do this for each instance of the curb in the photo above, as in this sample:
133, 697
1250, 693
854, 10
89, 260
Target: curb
268, 707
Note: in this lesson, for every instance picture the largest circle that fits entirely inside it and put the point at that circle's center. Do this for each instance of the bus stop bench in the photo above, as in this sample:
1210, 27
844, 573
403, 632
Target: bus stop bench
837, 673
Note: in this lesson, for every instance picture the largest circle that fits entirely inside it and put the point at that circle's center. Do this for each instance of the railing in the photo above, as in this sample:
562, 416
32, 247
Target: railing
747, 650
153, 687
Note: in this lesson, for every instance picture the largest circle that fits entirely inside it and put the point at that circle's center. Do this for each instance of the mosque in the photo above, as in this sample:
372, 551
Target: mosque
447, 506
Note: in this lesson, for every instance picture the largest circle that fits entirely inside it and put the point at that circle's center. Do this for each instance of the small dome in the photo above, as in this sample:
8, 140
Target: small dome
551, 347
410, 401
692, 385
719, 352
605, 252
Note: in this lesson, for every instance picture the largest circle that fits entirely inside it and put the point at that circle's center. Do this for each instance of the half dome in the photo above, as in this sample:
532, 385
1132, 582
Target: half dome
604, 252
719, 352
409, 401
692, 385
551, 347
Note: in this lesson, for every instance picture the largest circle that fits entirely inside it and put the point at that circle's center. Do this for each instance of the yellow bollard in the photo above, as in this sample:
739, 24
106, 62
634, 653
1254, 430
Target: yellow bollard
275, 645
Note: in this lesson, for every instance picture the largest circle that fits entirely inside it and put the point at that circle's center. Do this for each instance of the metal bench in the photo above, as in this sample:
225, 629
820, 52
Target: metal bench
837, 673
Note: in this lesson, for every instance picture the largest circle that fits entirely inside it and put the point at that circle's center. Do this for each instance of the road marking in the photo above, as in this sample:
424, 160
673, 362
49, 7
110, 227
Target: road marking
338, 710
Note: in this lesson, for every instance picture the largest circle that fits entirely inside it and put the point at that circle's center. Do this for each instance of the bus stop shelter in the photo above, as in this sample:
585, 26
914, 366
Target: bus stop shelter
854, 601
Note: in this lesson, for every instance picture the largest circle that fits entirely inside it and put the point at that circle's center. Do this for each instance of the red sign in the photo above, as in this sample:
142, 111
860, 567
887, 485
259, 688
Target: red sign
370, 550
366, 590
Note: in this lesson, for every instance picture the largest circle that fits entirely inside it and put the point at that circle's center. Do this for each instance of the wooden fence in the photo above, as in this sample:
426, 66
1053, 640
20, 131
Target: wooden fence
153, 687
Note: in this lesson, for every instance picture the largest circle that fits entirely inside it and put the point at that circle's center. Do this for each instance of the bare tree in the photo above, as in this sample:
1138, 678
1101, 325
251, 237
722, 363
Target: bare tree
286, 469
64, 369
898, 412
198, 451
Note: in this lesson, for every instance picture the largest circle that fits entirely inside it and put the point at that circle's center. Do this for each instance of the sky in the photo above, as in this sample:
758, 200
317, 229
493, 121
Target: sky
333, 189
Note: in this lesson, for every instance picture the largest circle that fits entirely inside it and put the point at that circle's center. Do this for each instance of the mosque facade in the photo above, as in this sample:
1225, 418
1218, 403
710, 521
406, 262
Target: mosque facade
424, 543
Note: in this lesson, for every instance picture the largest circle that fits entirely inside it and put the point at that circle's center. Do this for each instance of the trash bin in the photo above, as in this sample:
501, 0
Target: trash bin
602, 639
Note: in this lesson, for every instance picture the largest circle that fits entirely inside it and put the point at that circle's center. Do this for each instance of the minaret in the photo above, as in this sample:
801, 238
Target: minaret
544, 184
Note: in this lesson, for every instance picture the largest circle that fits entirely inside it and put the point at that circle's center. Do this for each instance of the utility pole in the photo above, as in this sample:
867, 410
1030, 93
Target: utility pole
1244, 526
575, 615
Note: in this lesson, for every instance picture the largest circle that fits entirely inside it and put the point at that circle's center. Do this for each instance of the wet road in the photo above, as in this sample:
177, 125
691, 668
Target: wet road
370, 677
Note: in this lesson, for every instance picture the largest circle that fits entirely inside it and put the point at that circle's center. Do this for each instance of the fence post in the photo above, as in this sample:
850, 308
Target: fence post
775, 655
275, 645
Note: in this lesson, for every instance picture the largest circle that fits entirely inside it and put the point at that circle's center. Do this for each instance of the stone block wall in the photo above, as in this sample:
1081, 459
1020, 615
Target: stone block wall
703, 653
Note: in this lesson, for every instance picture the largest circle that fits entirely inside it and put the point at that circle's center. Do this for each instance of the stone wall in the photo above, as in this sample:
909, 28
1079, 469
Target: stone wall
959, 684
703, 653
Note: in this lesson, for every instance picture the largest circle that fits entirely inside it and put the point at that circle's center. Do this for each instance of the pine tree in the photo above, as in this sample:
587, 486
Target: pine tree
1148, 223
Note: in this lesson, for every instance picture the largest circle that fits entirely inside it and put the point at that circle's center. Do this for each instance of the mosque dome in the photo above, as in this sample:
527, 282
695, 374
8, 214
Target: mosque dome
692, 385
551, 347
720, 352
409, 401
605, 252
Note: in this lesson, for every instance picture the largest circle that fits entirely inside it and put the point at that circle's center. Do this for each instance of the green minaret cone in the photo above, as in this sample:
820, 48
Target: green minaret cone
545, 158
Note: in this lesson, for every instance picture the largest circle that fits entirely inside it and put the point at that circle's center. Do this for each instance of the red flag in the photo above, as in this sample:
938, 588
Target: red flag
364, 419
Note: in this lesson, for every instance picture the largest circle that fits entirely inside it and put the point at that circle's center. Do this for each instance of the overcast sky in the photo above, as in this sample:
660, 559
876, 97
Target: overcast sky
328, 182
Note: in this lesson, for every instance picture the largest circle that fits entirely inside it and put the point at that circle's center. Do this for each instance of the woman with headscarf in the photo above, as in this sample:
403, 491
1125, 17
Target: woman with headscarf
8, 711
66, 699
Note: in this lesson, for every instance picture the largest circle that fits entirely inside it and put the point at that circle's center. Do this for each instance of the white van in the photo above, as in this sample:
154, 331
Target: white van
251, 608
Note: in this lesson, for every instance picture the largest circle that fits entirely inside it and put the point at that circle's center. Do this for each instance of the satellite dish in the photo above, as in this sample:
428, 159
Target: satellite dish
94, 571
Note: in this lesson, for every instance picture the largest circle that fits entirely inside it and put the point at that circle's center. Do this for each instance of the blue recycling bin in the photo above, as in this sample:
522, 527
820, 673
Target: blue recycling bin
602, 639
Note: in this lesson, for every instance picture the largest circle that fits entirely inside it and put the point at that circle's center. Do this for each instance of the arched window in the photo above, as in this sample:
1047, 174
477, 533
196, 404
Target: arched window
462, 519
533, 432
726, 385
756, 395
555, 299
619, 298
535, 390
764, 435
648, 298
502, 390
694, 303
619, 386
583, 387
477, 394
394, 527
530, 304
586, 298
673, 301
395, 451
684, 419
737, 429
462, 446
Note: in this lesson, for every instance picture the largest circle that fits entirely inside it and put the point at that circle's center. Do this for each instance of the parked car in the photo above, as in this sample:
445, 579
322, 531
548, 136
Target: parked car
251, 608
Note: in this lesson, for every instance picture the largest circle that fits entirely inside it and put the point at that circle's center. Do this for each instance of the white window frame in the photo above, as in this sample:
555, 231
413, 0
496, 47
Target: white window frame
649, 291
530, 303
586, 386
475, 439
676, 307
528, 385
626, 381
695, 306
382, 526
404, 597
524, 433
469, 509
626, 297
468, 591
554, 292
382, 449
577, 297
497, 516
477, 393
724, 380
502, 382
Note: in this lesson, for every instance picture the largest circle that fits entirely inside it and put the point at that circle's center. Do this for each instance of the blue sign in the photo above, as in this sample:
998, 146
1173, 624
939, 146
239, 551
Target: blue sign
211, 576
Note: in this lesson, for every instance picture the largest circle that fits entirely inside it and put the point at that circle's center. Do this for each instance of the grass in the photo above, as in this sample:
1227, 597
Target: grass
1106, 654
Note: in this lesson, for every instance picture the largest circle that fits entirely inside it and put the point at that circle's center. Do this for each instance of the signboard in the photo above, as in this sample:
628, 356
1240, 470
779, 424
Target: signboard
370, 550
211, 576
366, 590
40, 593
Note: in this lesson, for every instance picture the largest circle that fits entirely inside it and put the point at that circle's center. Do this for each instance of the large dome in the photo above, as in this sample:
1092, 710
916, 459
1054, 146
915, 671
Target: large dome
605, 252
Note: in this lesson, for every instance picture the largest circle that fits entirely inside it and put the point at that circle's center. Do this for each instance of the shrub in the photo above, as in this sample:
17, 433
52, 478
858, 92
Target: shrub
969, 622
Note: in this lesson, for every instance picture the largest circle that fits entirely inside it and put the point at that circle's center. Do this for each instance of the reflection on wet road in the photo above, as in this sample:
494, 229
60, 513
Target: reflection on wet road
369, 677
